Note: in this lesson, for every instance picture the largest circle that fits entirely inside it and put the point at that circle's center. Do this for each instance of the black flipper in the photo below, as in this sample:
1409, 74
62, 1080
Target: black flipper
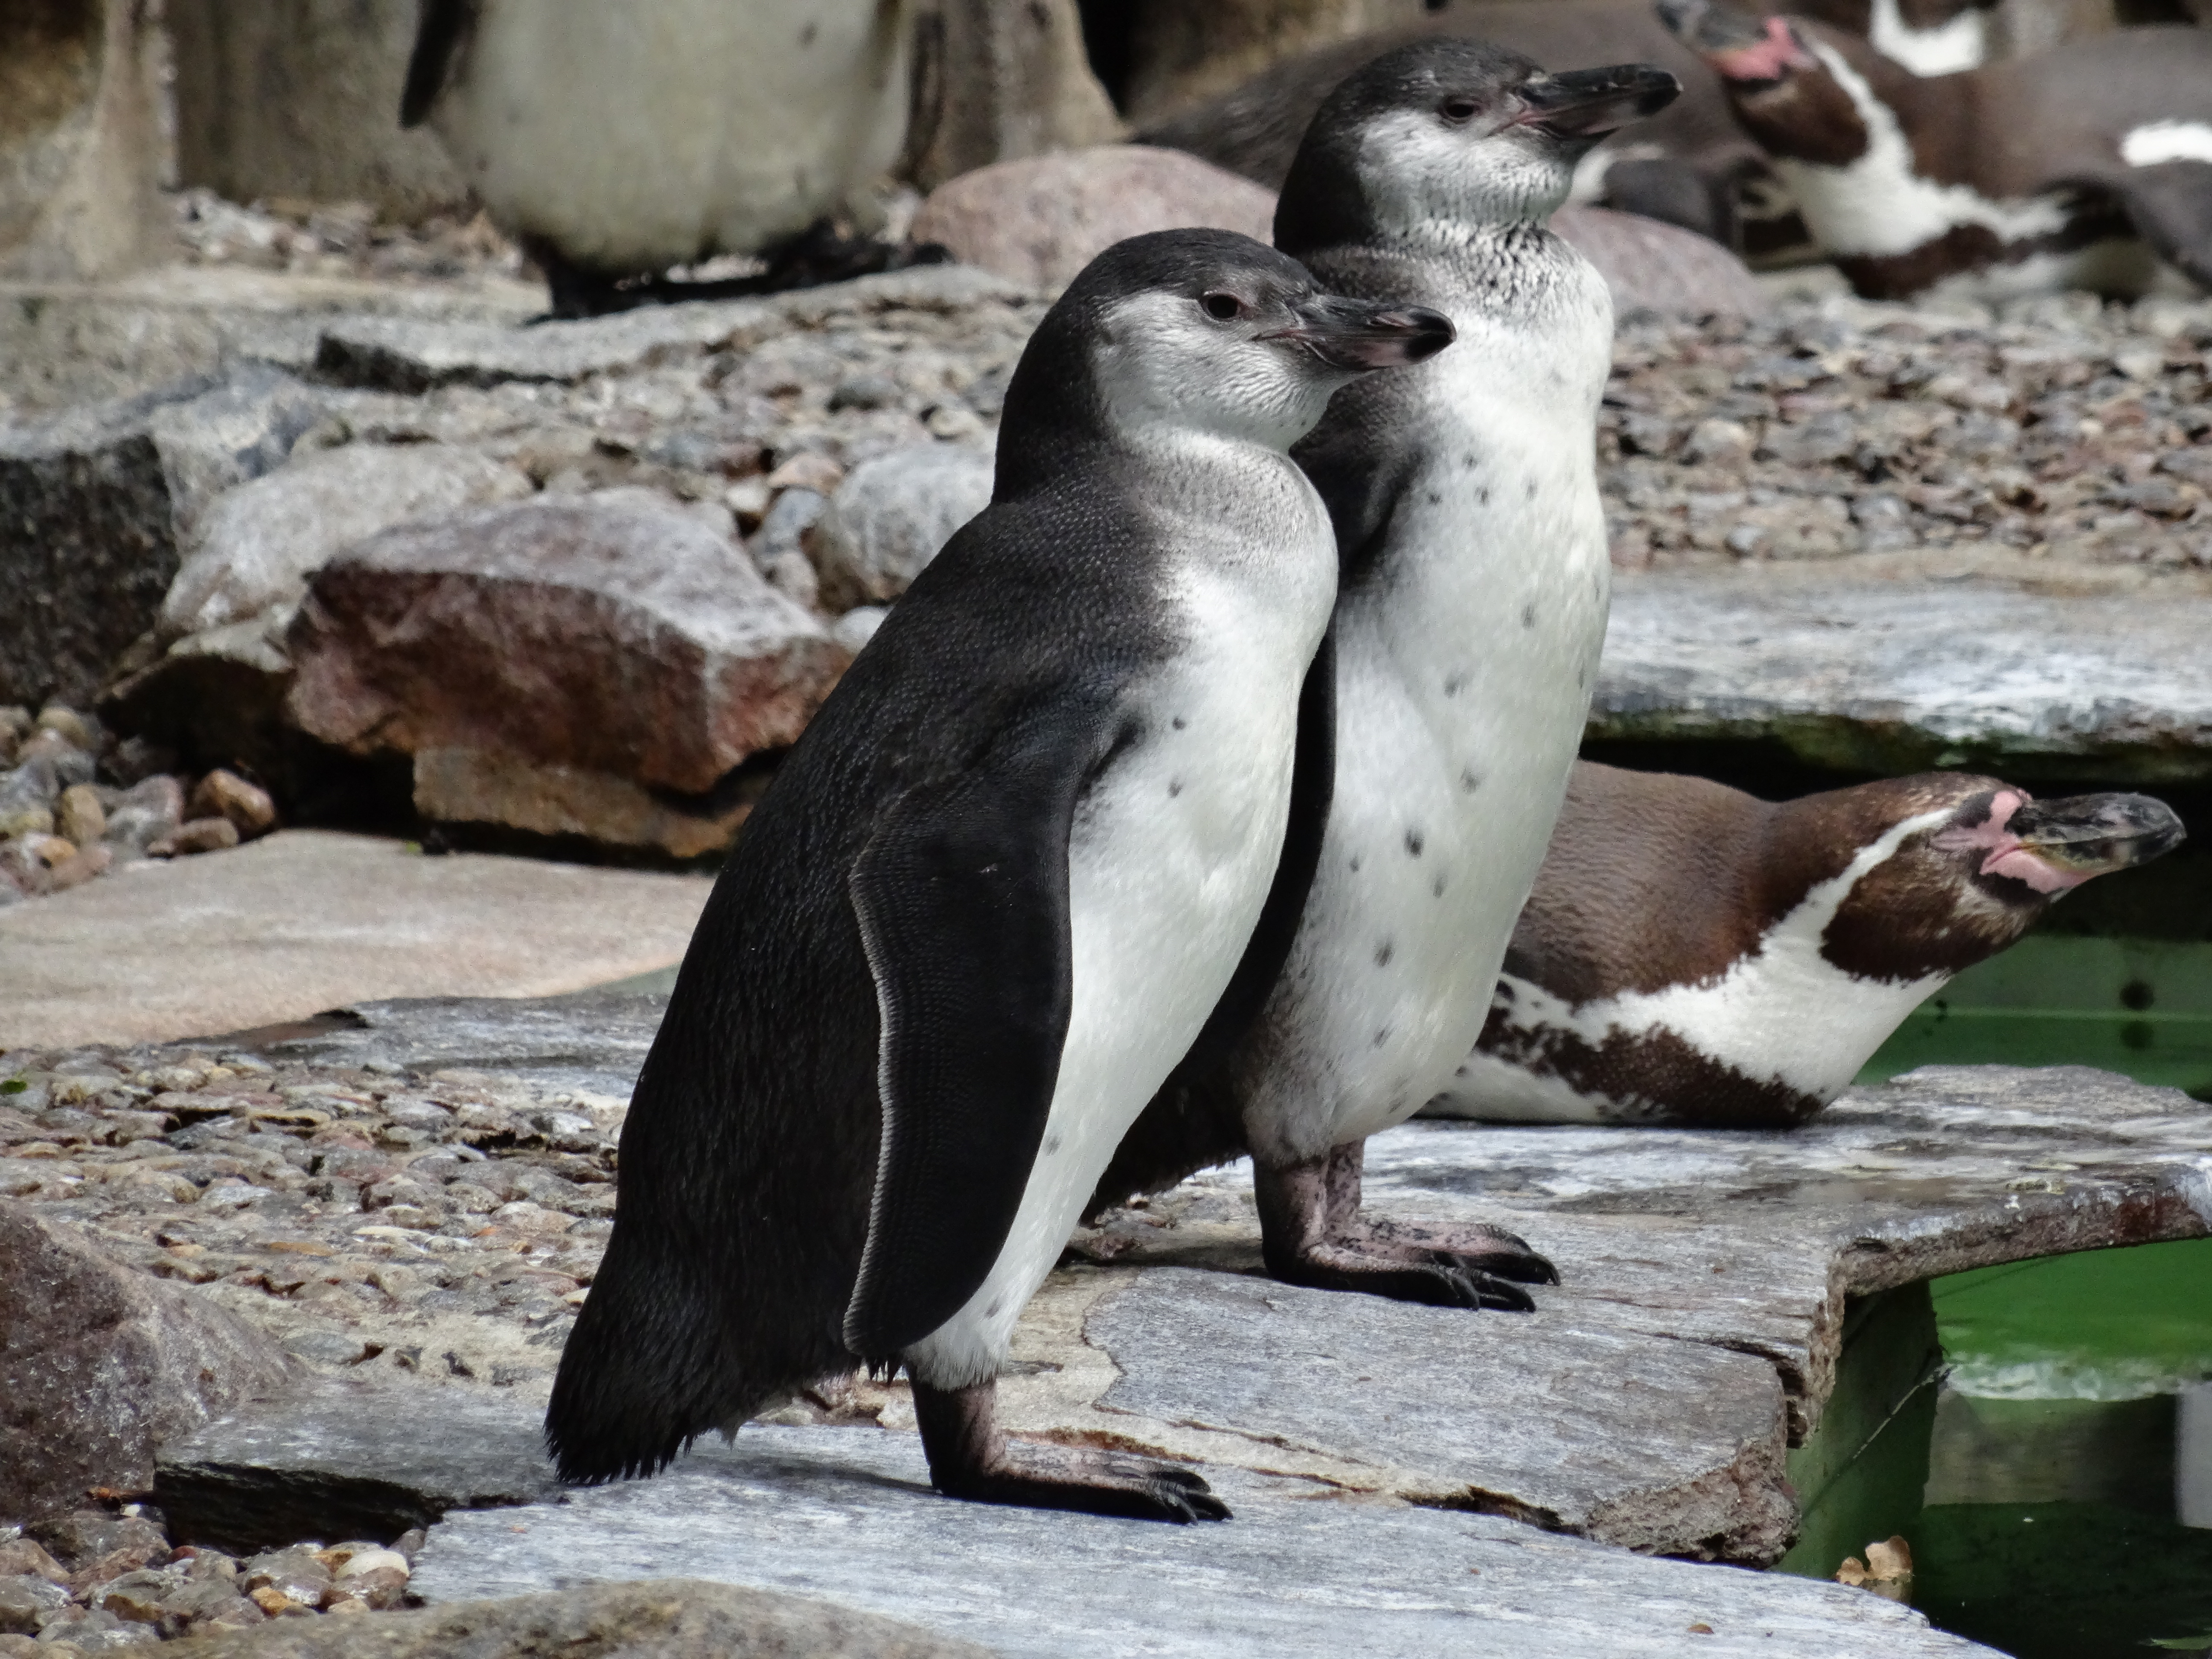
961, 899
2170, 205
441, 26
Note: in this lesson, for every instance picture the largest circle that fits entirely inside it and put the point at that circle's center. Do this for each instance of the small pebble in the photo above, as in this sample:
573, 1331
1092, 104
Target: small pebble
196, 836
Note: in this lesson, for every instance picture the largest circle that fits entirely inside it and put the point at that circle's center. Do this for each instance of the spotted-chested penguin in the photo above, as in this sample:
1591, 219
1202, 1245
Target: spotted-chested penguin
1694, 956
618, 140
2086, 166
1473, 593
994, 893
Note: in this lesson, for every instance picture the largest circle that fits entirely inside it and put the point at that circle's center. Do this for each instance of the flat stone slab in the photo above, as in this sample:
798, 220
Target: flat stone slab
309, 920
847, 1514
1878, 667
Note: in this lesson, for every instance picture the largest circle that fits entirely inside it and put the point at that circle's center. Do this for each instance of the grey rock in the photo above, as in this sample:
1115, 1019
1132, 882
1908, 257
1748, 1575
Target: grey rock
81, 1537
508, 629
1675, 1454
1657, 267
95, 506
1890, 676
340, 1462
99, 1363
783, 531
29, 795
892, 516
858, 626
847, 1514
660, 1619
403, 355
148, 810
25, 1600
258, 544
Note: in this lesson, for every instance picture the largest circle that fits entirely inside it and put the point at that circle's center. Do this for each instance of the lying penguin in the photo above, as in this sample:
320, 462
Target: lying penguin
1474, 588
994, 894
1692, 955
613, 141
2087, 166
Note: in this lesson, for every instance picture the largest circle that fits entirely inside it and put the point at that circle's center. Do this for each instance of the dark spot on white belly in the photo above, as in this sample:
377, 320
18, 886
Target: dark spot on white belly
1469, 778
1179, 722
1582, 679
1436, 498
1355, 864
1529, 615
1414, 843
996, 1303
1482, 495
1383, 1037
1467, 461
1175, 787
1454, 684
1530, 490
1383, 955
1436, 887
1052, 1143
806, 39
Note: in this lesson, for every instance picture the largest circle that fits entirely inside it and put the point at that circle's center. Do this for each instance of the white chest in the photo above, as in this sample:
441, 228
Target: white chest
1466, 658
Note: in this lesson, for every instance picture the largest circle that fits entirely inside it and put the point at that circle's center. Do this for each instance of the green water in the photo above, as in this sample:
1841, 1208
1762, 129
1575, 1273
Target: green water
2140, 1006
2039, 1433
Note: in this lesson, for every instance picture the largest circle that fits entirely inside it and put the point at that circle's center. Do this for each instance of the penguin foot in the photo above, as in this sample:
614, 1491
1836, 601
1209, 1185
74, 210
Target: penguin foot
1312, 1234
1477, 1248
970, 1458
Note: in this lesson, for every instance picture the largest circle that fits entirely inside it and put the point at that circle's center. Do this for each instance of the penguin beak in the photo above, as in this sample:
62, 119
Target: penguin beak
1761, 49
2090, 835
1354, 334
1588, 104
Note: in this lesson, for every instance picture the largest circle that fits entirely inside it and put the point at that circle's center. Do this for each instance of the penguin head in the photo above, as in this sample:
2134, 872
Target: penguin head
1780, 76
1196, 331
1452, 131
1982, 862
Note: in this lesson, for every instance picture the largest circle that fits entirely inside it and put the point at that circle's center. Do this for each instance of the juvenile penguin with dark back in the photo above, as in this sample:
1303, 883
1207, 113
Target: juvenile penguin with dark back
994, 893
1694, 956
1472, 602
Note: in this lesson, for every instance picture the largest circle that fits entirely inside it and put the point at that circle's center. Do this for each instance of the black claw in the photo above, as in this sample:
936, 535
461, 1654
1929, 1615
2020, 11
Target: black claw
1189, 1506
1183, 1477
1529, 1268
1494, 1292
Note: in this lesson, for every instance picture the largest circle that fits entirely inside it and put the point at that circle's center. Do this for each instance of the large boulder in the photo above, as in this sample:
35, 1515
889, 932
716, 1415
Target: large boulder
891, 517
1042, 219
998, 81
99, 1363
614, 635
95, 507
1653, 266
657, 1619
260, 543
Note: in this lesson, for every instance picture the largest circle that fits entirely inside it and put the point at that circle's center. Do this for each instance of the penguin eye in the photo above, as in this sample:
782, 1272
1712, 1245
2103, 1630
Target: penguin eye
1457, 110
1222, 307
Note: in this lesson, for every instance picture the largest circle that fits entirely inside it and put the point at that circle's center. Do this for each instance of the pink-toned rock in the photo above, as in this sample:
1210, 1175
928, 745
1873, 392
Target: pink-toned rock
1653, 266
614, 632
1044, 217
99, 1363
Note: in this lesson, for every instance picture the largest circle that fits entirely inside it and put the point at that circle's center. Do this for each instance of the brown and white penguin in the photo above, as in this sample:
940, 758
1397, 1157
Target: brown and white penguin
2087, 166
1693, 956
1691, 165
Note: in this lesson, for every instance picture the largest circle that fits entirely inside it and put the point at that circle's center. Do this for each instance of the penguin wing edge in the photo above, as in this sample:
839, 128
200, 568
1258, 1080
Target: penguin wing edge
961, 896
2170, 203
439, 27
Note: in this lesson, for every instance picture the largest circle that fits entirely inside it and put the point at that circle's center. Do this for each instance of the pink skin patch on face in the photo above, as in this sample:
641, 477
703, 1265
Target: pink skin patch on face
1770, 60
2006, 855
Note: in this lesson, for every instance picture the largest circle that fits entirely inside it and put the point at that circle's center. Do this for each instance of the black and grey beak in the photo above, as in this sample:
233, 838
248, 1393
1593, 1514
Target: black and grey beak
1590, 103
2089, 835
1704, 26
1357, 334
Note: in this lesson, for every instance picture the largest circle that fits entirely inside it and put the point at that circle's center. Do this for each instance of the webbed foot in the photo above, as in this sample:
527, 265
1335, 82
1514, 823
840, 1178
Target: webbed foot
1312, 1234
970, 1458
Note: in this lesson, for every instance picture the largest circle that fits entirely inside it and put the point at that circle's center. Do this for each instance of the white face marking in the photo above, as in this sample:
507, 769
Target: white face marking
1167, 369
2155, 142
1418, 173
1590, 171
2120, 266
1963, 43
1784, 1012
1878, 205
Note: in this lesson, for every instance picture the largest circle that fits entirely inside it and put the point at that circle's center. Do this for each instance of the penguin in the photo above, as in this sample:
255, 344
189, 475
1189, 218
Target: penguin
1691, 165
615, 141
1694, 957
1473, 595
997, 889
2086, 166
